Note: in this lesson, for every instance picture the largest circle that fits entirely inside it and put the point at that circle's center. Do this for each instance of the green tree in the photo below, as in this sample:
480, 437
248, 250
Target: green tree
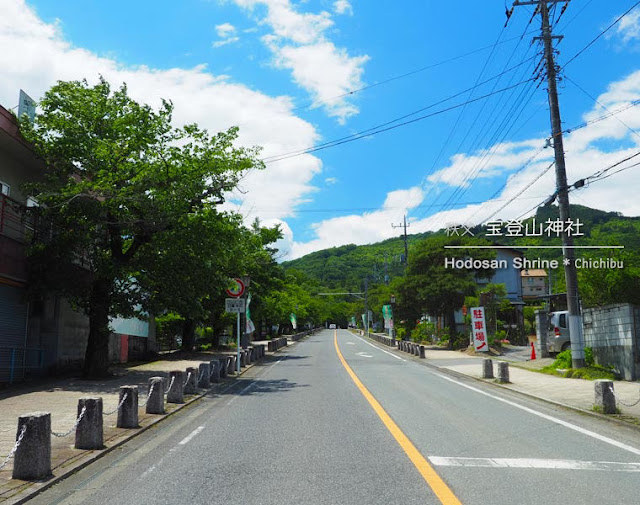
431, 288
119, 174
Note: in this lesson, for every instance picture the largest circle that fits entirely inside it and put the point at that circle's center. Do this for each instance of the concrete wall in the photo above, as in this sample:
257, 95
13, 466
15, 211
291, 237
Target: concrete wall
613, 332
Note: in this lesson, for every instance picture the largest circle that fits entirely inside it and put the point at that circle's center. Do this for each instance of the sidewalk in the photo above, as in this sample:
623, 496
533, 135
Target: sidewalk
575, 393
60, 398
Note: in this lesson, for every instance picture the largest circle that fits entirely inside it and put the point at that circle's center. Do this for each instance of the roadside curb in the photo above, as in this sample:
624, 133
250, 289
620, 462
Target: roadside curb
447, 371
28, 493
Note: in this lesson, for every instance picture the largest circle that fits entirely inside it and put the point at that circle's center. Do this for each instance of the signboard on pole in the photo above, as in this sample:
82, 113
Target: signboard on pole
479, 329
236, 288
234, 305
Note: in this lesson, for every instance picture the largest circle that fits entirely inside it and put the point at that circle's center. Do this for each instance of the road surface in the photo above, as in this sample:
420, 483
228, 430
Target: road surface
335, 419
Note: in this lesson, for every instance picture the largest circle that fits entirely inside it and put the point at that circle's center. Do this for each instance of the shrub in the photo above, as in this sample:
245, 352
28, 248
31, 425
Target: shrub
563, 360
588, 356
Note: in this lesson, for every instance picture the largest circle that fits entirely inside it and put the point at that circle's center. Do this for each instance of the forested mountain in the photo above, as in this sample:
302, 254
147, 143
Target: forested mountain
345, 268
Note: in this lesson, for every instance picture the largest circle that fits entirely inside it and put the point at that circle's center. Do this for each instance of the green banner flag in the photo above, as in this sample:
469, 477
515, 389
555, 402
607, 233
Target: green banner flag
294, 321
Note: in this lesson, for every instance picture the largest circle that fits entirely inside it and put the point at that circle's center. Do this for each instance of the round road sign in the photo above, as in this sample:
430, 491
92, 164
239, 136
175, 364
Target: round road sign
236, 288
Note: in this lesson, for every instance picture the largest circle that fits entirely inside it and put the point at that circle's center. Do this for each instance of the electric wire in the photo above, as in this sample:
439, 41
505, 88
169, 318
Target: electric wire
457, 121
601, 105
313, 104
381, 128
616, 21
474, 172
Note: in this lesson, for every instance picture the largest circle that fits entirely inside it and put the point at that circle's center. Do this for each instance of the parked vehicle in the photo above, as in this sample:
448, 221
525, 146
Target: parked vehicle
558, 337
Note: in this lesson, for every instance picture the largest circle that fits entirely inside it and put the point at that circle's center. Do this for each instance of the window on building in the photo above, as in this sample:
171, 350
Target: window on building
5, 189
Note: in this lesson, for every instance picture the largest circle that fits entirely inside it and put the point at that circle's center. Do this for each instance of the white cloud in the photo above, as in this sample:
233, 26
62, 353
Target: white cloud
360, 229
628, 27
331, 180
227, 33
590, 149
299, 44
342, 7
224, 42
225, 30
41, 56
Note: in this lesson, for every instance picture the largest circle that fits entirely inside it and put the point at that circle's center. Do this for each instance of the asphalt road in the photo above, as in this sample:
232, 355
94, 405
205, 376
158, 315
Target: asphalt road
303, 429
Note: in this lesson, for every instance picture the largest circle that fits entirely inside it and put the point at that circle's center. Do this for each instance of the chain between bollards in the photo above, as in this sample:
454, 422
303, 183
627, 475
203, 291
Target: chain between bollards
173, 379
15, 447
621, 402
124, 398
148, 396
75, 425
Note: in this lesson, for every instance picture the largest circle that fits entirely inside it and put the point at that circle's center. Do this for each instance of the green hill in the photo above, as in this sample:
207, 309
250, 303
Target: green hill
345, 268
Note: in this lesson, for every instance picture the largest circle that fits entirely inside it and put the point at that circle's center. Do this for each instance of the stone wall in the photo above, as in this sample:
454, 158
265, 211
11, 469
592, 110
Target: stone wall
613, 332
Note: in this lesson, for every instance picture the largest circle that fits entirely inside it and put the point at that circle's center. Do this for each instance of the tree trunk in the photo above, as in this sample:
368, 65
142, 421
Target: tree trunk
451, 322
96, 359
188, 335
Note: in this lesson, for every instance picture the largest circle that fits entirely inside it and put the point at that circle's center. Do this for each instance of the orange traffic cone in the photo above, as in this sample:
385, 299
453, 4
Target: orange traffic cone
533, 351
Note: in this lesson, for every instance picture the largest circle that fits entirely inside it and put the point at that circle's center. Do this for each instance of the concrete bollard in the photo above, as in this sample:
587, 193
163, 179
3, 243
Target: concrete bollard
89, 432
175, 394
191, 386
421, 352
32, 460
231, 364
215, 371
503, 372
204, 372
249, 357
128, 412
487, 369
605, 398
223, 367
243, 358
155, 400
416, 350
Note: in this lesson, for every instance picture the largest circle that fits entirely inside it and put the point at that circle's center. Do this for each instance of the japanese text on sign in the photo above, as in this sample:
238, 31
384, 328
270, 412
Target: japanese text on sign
478, 327
234, 305
516, 228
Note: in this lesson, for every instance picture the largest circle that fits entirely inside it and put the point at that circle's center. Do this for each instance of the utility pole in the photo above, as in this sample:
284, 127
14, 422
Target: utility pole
406, 247
366, 304
573, 302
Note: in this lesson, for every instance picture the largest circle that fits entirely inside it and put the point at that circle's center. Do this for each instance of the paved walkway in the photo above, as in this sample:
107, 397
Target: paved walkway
60, 398
577, 393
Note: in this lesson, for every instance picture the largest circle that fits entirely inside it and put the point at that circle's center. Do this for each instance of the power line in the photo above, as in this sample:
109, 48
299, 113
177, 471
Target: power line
402, 76
380, 128
480, 135
601, 34
455, 125
601, 105
515, 197
580, 183
269, 158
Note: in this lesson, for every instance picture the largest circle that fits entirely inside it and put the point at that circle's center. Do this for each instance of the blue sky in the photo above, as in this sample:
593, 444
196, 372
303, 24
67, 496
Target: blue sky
288, 73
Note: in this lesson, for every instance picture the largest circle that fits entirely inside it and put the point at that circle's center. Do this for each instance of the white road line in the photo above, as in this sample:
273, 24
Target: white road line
382, 350
544, 464
364, 355
566, 424
190, 436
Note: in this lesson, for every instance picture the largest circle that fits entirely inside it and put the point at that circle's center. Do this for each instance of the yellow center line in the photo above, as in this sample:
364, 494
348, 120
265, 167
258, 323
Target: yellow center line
435, 482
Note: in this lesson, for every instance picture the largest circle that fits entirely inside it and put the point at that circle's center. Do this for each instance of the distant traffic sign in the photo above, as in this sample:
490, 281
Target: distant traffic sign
236, 289
234, 305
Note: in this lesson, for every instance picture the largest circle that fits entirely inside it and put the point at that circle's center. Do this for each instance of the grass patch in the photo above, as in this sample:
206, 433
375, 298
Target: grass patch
561, 367
592, 372
599, 409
